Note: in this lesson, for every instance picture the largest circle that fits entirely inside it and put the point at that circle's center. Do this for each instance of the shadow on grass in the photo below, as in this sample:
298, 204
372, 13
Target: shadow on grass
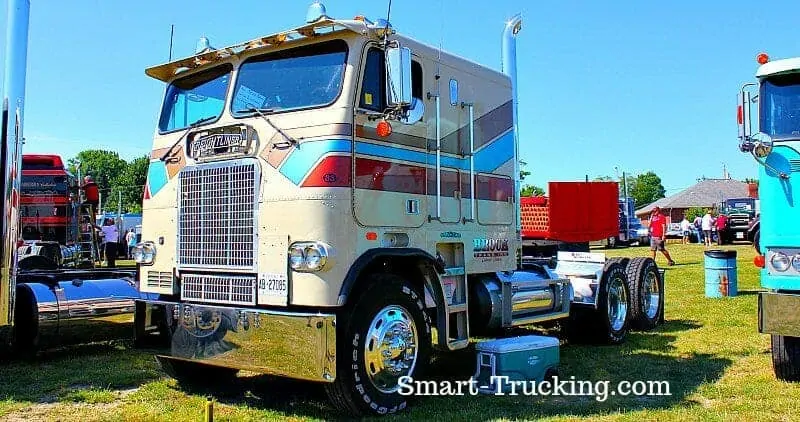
55, 373
643, 357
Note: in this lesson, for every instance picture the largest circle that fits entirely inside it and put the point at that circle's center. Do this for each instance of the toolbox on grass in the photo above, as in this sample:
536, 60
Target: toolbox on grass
526, 358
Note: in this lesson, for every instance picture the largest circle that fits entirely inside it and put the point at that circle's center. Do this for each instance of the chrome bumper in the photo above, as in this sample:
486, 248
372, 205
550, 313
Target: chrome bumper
779, 313
287, 344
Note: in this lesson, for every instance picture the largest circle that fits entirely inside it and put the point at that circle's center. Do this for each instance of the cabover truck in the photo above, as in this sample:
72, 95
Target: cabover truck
42, 304
334, 201
774, 143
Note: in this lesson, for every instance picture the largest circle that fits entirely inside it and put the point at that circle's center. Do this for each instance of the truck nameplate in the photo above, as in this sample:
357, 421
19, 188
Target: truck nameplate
223, 141
489, 248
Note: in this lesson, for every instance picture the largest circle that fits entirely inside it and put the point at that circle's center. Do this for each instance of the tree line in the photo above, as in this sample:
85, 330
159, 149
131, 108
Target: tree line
115, 177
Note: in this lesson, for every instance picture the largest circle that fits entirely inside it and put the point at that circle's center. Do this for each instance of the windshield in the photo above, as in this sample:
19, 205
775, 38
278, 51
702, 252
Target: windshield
780, 106
740, 204
302, 77
44, 185
195, 97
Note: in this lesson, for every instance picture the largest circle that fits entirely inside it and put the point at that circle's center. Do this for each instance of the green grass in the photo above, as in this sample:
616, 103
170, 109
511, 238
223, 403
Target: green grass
709, 350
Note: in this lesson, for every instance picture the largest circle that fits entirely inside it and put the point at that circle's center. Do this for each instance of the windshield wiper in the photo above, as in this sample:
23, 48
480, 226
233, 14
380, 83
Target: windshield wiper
186, 132
263, 113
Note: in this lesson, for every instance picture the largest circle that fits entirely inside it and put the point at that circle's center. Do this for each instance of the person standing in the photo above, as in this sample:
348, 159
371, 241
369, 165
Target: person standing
111, 236
130, 240
658, 234
698, 226
92, 193
721, 224
686, 227
707, 224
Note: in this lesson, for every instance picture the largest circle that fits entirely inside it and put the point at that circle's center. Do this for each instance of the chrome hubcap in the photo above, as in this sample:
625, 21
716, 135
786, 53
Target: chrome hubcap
617, 303
390, 351
651, 295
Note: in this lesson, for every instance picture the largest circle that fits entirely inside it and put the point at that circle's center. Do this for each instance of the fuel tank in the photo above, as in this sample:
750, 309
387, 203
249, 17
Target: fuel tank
506, 299
70, 307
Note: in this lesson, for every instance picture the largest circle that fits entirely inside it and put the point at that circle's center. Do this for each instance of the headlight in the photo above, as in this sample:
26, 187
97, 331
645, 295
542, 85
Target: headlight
796, 262
144, 253
308, 256
780, 261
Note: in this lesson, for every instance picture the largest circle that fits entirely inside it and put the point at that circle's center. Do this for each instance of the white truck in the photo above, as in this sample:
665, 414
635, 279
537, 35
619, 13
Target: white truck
331, 202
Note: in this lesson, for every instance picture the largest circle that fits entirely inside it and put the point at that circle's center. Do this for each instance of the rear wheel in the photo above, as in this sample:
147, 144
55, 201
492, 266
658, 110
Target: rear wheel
609, 322
786, 357
646, 292
386, 336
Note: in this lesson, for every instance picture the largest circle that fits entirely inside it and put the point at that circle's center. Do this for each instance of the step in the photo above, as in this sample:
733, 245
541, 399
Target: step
454, 271
454, 309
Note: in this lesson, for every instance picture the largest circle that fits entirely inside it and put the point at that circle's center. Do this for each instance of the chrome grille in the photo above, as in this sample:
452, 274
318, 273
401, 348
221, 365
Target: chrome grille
159, 279
234, 289
217, 215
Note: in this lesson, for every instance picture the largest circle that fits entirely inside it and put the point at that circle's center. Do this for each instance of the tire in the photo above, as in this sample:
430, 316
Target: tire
194, 374
647, 293
786, 358
363, 386
609, 323
757, 241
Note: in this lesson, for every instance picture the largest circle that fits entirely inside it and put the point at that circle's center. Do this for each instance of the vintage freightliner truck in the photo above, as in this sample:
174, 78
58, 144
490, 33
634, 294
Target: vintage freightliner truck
332, 202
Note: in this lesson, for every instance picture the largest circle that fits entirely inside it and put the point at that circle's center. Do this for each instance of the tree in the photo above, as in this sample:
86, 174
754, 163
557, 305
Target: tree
531, 190
103, 166
523, 173
647, 188
130, 183
631, 180
694, 212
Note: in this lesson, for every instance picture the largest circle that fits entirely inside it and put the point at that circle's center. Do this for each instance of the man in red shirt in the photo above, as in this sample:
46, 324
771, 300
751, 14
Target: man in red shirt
722, 224
658, 232
92, 193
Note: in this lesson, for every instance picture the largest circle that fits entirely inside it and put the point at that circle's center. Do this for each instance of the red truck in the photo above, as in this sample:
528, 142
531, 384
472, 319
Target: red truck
47, 200
572, 215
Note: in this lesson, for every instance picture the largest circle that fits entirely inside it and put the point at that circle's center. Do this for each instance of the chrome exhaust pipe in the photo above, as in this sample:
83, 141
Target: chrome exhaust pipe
509, 67
13, 96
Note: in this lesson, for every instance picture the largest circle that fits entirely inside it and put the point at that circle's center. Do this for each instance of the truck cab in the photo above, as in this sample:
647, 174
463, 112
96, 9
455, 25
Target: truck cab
772, 137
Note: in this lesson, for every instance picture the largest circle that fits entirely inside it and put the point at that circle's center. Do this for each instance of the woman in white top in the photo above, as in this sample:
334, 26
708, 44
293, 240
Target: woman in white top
686, 227
111, 236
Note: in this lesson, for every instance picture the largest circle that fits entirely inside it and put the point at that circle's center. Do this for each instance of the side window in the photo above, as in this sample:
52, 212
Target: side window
373, 88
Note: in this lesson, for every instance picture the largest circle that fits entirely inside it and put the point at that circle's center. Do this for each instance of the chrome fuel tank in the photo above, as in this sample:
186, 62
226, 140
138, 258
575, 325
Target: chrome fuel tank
75, 307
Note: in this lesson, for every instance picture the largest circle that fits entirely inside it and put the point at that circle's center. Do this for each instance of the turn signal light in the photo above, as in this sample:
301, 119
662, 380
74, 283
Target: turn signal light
762, 58
384, 129
759, 261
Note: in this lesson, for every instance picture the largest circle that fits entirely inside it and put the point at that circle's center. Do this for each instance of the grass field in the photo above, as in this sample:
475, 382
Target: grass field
718, 366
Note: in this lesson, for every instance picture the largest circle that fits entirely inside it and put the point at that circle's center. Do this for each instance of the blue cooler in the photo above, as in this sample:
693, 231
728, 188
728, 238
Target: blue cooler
720, 269
526, 358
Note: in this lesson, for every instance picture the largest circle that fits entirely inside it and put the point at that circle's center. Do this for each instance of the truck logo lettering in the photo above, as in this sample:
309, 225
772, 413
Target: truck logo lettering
450, 235
329, 178
488, 248
220, 141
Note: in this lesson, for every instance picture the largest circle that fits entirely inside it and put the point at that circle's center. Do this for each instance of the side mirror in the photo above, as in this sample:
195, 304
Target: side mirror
398, 76
743, 116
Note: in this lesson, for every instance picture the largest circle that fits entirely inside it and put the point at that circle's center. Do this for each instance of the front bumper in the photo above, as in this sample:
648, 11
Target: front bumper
778, 314
288, 344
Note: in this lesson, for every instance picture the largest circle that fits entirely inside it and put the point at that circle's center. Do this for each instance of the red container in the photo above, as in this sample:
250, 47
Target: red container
573, 212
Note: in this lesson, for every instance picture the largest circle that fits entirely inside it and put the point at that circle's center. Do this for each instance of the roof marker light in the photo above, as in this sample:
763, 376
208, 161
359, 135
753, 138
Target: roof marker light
762, 58
384, 129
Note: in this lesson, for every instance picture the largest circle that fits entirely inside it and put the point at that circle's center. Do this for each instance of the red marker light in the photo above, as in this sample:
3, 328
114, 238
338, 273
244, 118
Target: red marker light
384, 129
762, 58
740, 115
372, 236
758, 261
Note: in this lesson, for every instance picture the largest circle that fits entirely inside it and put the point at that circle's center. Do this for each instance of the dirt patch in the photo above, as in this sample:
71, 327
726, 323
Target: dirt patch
50, 409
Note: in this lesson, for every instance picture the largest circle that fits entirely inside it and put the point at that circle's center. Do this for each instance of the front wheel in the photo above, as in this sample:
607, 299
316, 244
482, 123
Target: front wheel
786, 357
386, 342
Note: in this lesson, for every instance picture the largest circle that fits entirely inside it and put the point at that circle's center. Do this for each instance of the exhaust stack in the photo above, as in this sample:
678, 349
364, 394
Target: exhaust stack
13, 102
509, 67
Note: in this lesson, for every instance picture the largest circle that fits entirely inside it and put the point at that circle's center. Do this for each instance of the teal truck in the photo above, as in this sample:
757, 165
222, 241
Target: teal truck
774, 143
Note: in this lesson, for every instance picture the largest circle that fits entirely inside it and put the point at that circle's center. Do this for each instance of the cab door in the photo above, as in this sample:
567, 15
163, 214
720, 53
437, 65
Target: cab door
389, 185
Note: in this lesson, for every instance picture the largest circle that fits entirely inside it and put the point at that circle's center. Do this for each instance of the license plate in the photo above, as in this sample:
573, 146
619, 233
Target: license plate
273, 289
740, 235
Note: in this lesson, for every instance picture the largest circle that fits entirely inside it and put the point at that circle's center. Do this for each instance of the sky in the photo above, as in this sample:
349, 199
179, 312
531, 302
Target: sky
640, 86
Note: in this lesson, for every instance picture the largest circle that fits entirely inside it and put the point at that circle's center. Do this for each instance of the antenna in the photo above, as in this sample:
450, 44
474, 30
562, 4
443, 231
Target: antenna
171, 33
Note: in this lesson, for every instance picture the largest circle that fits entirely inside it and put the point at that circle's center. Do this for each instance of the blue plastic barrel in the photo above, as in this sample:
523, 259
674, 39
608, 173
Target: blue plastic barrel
720, 269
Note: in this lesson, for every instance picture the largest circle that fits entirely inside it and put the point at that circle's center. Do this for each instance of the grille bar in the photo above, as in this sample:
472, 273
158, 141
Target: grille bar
217, 215
234, 289
159, 279
795, 166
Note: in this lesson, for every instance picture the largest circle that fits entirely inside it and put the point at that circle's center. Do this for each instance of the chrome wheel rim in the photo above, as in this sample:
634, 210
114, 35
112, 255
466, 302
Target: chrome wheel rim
651, 295
390, 349
617, 303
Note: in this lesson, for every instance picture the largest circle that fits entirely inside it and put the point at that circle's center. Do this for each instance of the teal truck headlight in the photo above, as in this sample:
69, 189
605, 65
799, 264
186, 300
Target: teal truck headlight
308, 256
144, 253
780, 261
